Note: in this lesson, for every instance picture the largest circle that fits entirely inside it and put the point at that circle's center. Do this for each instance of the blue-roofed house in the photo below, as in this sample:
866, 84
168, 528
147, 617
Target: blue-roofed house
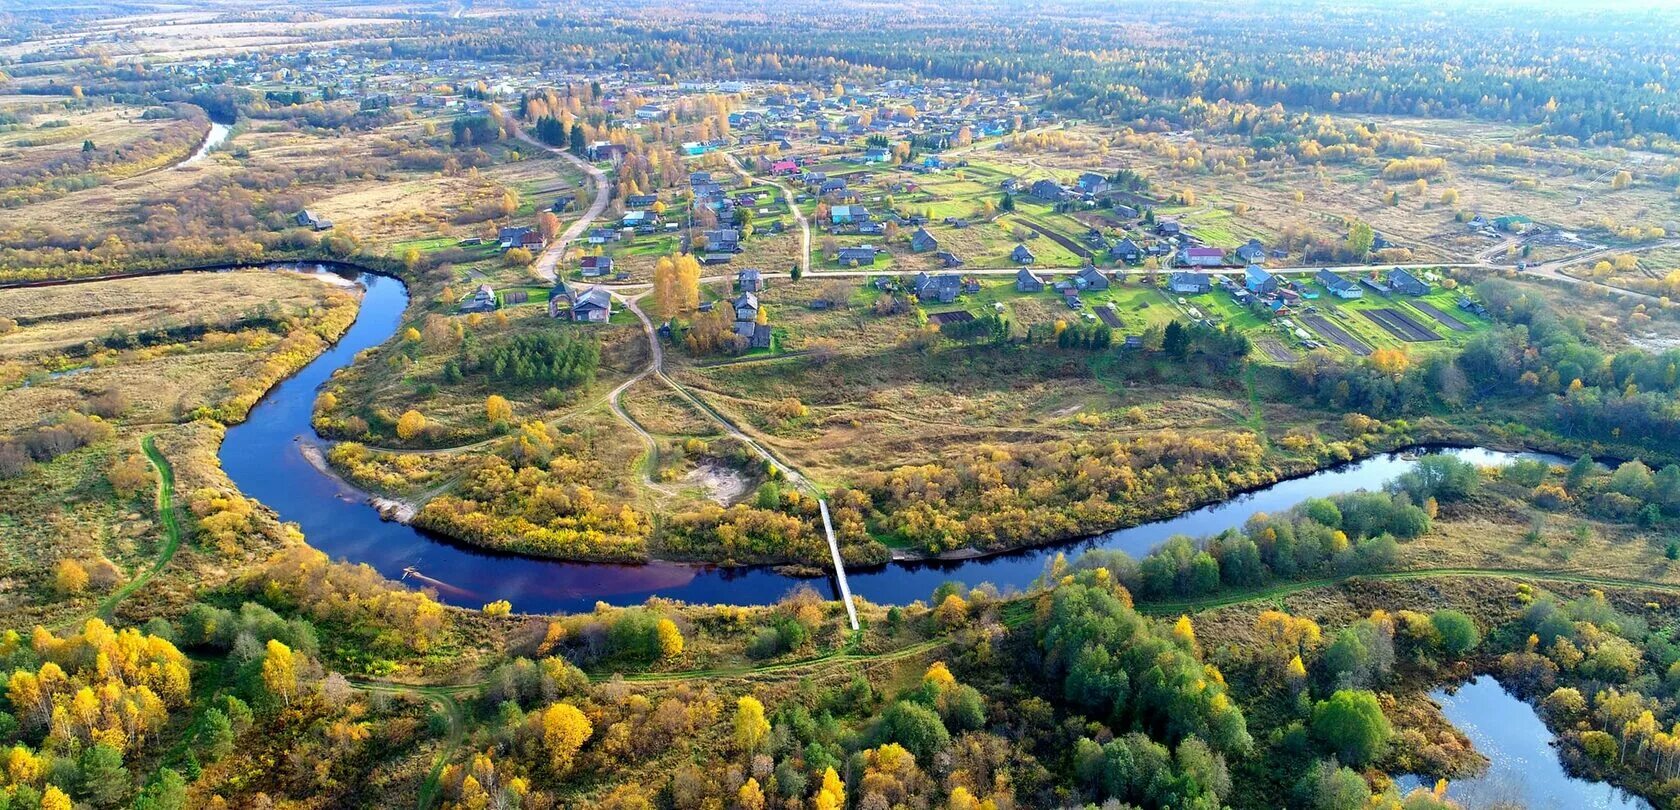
1338, 286
1257, 280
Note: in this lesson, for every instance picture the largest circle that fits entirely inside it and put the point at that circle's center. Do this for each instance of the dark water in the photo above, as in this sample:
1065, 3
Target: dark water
1524, 768
262, 456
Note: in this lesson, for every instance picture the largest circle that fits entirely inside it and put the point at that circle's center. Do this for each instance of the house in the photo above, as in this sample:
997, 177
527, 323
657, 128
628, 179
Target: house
483, 299
308, 219
1047, 190
1010, 185
1189, 283
1258, 281
1338, 286
1021, 255
1252, 253
784, 167
605, 150
641, 200
1126, 250
877, 154
1090, 278
1405, 283
857, 255
1168, 227
531, 240
511, 237
847, 214
592, 305
1201, 257
948, 258
1091, 183
596, 266
830, 186
723, 240
871, 229
943, 288
921, 241
746, 307
1026, 282
756, 335
641, 220
716, 258
749, 280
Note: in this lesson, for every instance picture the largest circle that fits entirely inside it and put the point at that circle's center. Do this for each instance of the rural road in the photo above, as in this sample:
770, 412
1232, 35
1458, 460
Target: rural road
787, 194
548, 262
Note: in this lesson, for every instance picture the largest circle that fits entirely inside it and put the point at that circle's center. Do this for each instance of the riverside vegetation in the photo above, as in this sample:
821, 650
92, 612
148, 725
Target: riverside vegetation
167, 642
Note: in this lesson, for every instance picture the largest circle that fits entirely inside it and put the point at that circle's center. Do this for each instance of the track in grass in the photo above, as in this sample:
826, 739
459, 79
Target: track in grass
166, 516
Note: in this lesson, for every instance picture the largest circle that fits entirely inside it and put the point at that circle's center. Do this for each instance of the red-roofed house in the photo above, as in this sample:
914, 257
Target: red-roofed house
784, 167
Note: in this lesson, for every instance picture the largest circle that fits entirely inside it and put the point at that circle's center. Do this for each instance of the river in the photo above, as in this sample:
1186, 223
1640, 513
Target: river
218, 134
1523, 767
263, 458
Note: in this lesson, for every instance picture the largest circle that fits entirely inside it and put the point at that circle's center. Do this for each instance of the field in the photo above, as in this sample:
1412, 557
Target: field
157, 349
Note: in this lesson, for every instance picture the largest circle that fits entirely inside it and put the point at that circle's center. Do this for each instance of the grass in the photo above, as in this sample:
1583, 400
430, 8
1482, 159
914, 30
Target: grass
167, 516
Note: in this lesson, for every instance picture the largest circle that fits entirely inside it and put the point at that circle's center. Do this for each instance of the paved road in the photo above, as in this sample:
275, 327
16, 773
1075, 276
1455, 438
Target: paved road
787, 194
547, 263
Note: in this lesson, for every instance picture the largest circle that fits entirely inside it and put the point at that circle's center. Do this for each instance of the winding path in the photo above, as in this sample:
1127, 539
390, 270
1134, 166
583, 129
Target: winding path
548, 262
167, 516
656, 366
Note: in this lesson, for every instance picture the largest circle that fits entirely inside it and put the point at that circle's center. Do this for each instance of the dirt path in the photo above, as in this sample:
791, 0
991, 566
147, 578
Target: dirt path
443, 697
787, 194
548, 262
167, 516
657, 368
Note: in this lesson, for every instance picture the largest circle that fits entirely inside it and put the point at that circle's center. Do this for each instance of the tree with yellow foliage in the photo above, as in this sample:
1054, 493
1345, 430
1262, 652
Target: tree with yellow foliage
280, 671
670, 638
1393, 362
497, 409
750, 796
411, 424
763, 316
70, 577
832, 794
564, 731
500, 607
751, 729
939, 677
53, 798
1184, 632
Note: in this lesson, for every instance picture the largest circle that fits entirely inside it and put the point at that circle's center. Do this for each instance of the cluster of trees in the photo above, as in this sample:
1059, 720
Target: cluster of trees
549, 358
81, 704
540, 500
1007, 497
72, 431
354, 600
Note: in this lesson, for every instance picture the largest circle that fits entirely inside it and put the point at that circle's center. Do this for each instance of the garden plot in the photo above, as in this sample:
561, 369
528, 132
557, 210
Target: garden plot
1400, 325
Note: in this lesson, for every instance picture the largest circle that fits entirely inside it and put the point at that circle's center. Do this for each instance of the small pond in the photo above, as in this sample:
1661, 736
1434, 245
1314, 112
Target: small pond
1524, 768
